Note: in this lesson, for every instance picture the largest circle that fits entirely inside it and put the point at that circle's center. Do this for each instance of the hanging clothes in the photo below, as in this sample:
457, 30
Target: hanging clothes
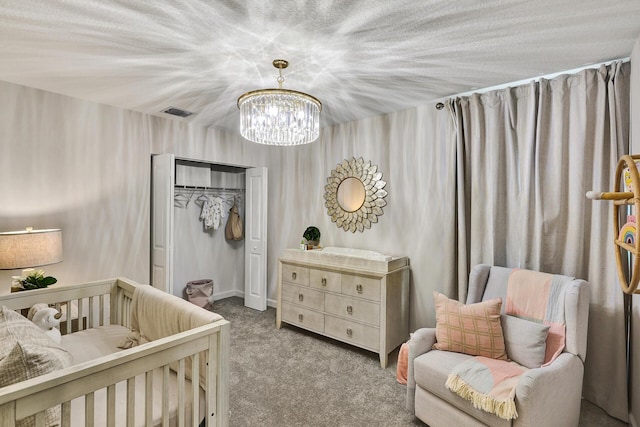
212, 213
234, 229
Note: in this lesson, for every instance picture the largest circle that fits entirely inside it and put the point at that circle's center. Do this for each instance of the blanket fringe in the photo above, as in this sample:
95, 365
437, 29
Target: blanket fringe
503, 409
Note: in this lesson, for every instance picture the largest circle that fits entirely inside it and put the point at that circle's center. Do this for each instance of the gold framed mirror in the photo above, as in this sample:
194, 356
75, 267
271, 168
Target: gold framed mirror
354, 194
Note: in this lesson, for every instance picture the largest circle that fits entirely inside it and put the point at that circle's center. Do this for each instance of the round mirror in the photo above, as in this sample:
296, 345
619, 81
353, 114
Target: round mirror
351, 194
354, 194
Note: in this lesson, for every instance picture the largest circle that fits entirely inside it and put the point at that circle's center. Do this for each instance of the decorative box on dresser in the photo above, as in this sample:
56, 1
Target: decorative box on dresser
361, 300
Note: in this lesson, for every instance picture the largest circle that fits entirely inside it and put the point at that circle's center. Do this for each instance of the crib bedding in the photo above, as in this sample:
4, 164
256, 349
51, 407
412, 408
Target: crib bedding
91, 344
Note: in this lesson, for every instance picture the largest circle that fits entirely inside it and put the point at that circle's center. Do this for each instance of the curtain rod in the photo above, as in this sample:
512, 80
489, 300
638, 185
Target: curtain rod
440, 105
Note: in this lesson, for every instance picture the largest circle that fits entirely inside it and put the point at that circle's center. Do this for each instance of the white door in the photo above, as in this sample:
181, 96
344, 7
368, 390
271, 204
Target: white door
255, 245
162, 185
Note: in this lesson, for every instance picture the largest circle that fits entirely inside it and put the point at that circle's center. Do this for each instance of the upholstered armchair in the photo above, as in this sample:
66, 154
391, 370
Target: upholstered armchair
545, 395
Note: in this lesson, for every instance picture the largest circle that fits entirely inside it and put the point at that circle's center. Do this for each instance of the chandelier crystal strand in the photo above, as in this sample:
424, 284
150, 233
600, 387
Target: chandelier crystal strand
279, 116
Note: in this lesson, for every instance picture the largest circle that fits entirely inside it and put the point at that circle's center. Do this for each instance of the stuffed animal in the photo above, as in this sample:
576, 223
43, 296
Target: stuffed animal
48, 320
35, 308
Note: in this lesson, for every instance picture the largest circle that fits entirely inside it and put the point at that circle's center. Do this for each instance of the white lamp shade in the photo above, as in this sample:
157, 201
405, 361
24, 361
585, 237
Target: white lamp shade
30, 248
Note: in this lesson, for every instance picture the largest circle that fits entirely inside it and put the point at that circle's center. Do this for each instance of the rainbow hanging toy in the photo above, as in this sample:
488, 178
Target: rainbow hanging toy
628, 232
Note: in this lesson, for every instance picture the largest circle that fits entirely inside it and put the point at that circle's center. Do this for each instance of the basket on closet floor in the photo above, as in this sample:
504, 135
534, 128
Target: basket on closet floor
200, 293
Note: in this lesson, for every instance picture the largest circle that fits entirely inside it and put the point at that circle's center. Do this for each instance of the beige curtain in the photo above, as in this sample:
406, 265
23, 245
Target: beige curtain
526, 156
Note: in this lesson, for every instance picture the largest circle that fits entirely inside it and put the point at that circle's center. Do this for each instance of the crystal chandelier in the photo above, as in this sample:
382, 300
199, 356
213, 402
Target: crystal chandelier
279, 116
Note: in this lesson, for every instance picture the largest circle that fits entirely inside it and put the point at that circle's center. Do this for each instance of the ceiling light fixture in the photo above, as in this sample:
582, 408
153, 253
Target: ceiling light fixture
279, 116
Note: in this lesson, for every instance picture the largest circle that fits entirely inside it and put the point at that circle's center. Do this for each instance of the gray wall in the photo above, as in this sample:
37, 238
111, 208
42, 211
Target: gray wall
84, 168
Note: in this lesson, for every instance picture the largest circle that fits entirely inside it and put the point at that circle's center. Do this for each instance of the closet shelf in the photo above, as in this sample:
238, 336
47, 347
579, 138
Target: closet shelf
201, 188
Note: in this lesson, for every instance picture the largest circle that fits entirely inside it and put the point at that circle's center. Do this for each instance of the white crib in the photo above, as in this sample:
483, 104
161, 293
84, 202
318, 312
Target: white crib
128, 387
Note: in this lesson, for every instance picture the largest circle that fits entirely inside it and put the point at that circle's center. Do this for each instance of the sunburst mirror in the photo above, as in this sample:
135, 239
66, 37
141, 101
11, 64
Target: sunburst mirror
354, 194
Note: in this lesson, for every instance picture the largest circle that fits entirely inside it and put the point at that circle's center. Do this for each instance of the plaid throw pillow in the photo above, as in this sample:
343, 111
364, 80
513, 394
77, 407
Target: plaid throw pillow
472, 329
25, 353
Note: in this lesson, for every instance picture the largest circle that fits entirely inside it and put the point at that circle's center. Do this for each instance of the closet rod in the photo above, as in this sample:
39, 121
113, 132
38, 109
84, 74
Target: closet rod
193, 187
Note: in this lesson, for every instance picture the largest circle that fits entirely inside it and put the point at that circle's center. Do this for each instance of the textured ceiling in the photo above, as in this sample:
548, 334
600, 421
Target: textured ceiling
360, 58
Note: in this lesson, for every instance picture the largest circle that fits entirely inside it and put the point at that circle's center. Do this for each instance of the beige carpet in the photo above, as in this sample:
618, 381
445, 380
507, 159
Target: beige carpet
293, 378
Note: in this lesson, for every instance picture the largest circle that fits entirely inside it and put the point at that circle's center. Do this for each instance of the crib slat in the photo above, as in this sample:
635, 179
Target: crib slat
68, 305
65, 414
212, 374
165, 395
122, 316
211, 355
8, 414
131, 402
89, 409
126, 308
111, 405
118, 313
101, 321
195, 383
129, 305
80, 314
223, 340
39, 419
126, 318
181, 393
91, 303
148, 401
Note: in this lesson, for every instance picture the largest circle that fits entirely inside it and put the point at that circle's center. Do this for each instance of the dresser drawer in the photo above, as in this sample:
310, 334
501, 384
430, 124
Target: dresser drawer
303, 296
325, 280
360, 286
352, 308
352, 332
295, 274
301, 316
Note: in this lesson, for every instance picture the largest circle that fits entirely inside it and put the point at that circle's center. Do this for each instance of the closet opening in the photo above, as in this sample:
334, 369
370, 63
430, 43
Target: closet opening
209, 223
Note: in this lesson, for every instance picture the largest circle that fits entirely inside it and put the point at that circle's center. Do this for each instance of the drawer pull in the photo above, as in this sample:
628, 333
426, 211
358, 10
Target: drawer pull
349, 332
300, 317
294, 275
359, 288
349, 309
300, 297
324, 281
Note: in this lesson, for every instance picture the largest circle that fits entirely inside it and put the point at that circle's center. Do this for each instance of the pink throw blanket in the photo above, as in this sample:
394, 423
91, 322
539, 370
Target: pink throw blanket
490, 384
403, 364
539, 297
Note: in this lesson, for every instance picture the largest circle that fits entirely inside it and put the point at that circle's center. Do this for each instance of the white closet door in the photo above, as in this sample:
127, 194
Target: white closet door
255, 247
162, 189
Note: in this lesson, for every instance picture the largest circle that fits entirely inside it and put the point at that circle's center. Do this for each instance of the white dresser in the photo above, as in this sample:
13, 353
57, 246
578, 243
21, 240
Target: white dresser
361, 300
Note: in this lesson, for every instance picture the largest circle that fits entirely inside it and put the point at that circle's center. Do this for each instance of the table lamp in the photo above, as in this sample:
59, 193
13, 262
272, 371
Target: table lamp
30, 248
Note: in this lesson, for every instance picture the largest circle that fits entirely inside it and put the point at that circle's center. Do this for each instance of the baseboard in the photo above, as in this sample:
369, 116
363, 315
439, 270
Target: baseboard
632, 420
223, 295
236, 293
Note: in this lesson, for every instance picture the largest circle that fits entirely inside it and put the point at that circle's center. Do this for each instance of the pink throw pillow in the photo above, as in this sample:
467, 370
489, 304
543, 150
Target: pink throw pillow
472, 329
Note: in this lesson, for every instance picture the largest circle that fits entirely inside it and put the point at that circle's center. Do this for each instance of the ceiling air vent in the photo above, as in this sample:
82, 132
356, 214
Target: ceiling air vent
178, 112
